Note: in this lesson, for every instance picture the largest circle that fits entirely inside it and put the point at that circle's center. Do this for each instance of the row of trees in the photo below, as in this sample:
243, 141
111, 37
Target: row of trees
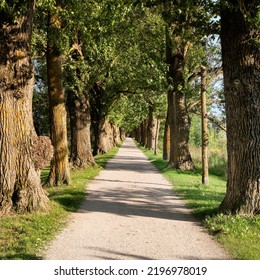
127, 64
188, 23
60, 46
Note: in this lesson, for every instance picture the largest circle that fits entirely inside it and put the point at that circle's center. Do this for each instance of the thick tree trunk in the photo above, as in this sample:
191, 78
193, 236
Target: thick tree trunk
204, 128
116, 134
179, 120
179, 123
181, 139
105, 137
20, 185
79, 111
59, 173
111, 138
240, 36
122, 135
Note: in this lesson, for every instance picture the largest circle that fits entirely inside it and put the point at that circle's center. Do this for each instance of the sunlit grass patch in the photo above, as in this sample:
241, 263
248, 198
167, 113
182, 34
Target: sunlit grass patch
22, 236
241, 235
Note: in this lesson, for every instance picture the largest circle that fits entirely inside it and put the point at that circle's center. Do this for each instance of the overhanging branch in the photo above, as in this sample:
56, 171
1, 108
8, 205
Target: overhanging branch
211, 119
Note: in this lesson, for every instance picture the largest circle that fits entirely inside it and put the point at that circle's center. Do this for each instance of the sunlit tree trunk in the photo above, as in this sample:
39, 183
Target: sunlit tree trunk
116, 134
122, 134
79, 111
182, 157
179, 120
240, 37
59, 173
20, 185
157, 132
105, 137
151, 128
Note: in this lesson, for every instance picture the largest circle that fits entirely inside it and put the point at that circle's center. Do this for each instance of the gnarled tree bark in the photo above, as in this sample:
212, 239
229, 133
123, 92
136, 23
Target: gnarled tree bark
178, 117
20, 185
79, 111
240, 36
59, 173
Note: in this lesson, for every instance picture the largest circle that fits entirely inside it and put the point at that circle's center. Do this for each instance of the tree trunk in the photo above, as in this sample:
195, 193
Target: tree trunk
137, 134
151, 129
240, 36
95, 130
166, 140
172, 126
111, 138
204, 128
143, 133
20, 185
59, 173
79, 111
97, 117
157, 132
179, 120
105, 137
116, 134
122, 135
179, 123
181, 140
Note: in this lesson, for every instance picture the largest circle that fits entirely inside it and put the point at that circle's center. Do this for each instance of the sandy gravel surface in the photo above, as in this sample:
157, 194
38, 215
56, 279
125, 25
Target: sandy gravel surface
131, 213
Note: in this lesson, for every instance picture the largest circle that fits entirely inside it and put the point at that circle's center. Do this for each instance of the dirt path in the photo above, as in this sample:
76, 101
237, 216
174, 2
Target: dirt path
131, 213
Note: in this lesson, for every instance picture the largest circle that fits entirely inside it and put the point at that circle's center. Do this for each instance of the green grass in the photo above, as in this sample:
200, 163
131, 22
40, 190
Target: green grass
239, 235
23, 237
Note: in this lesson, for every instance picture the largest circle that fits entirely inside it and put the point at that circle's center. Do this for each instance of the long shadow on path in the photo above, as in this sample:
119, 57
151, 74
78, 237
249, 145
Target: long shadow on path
144, 203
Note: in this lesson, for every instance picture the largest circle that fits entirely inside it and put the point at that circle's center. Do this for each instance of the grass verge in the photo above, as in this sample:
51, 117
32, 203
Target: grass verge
239, 235
23, 237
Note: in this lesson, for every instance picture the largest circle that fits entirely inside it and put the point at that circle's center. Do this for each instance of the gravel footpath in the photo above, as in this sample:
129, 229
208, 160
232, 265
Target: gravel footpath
131, 213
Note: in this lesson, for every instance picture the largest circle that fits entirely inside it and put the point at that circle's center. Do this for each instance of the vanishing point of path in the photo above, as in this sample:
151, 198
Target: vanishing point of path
131, 212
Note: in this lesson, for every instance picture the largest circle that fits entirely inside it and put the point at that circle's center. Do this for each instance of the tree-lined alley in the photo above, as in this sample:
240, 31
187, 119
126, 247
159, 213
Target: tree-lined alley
86, 73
